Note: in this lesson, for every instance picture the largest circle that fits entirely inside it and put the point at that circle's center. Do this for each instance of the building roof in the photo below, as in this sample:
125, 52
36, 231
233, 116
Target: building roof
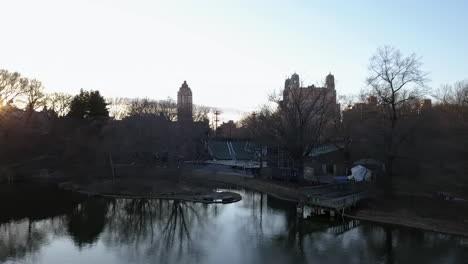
324, 149
185, 89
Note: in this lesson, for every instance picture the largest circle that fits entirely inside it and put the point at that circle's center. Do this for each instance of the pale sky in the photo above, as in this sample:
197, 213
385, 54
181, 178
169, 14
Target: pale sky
232, 53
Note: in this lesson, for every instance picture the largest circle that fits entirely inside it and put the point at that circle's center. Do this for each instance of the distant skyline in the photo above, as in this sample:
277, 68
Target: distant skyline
231, 53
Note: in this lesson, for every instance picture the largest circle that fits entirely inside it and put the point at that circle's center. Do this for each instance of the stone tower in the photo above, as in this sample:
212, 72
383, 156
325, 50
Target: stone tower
184, 104
330, 81
291, 84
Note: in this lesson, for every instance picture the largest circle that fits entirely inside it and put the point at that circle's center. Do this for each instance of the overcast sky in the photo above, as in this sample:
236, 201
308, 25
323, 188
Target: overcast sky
232, 53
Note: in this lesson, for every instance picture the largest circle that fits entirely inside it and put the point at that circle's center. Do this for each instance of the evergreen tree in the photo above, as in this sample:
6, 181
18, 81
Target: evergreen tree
88, 105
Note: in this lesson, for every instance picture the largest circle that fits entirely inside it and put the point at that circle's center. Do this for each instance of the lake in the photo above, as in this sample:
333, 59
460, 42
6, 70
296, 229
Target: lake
257, 229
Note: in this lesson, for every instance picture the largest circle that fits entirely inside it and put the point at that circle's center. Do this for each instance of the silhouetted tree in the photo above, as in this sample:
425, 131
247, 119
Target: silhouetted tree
454, 99
298, 122
398, 82
118, 107
59, 103
35, 96
342, 132
11, 86
166, 109
201, 112
88, 105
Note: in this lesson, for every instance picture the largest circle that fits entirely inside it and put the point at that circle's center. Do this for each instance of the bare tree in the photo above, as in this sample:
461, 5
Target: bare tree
201, 113
250, 125
11, 86
141, 107
167, 109
118, 107
397, 81
122, 107
35, 96
454, 98
298, 123
59, 103
341, 130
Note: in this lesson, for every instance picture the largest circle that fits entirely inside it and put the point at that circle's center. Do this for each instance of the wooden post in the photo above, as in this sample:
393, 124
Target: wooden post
112, 168
332, 214
300, 209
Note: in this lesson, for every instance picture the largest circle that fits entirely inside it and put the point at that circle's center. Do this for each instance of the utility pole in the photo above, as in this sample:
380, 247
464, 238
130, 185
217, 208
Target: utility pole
217, 113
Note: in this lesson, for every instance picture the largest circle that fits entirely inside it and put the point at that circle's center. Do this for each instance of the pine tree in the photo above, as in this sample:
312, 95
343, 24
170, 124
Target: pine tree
88, 105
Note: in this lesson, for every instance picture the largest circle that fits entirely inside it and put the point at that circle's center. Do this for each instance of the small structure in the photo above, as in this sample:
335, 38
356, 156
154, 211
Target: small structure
325, 160
360, 173
220, 197
335, 197
376, 167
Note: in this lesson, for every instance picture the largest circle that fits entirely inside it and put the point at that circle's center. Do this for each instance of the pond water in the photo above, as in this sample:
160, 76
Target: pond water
258, 229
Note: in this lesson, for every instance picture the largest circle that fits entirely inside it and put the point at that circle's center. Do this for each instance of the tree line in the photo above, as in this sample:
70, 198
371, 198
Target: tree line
30, 95
389, 121
80, 132
392, 121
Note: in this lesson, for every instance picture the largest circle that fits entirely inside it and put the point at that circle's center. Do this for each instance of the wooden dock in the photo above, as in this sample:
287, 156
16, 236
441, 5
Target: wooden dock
334, 198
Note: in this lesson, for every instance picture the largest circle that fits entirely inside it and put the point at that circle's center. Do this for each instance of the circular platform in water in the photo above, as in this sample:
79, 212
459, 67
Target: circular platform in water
221, 197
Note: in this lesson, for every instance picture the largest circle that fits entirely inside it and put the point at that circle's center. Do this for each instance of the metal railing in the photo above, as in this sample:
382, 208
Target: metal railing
336, 203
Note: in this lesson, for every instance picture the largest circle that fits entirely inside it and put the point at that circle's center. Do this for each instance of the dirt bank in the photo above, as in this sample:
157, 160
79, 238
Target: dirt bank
450, 217
152, 188
281, 190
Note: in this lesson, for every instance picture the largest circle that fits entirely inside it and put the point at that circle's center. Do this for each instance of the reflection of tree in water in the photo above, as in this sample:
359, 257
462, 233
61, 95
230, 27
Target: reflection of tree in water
169, 231
87, 221
380, 244
319, 240
272, 231
156, 228
297, 228
175, 234
264, 230
31, 216
176, 225
23, 238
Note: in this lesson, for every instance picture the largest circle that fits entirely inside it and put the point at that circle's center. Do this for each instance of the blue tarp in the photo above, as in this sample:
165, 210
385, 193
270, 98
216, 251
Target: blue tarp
341, 179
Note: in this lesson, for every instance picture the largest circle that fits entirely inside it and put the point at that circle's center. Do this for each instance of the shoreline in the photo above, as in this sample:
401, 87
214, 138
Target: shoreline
399, 221
177, 197
291, 194
426, 224
362, 214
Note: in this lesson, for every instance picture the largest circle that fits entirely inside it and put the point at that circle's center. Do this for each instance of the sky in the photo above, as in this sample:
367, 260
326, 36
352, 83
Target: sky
231, 53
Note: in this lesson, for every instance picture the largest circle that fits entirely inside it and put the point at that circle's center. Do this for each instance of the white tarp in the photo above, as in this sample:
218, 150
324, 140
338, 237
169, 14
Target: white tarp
360, 173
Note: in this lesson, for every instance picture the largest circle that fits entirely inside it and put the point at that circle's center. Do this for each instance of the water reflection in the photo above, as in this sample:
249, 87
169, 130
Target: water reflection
86, 222
258, 229
159, 229
28, 222
25, 237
